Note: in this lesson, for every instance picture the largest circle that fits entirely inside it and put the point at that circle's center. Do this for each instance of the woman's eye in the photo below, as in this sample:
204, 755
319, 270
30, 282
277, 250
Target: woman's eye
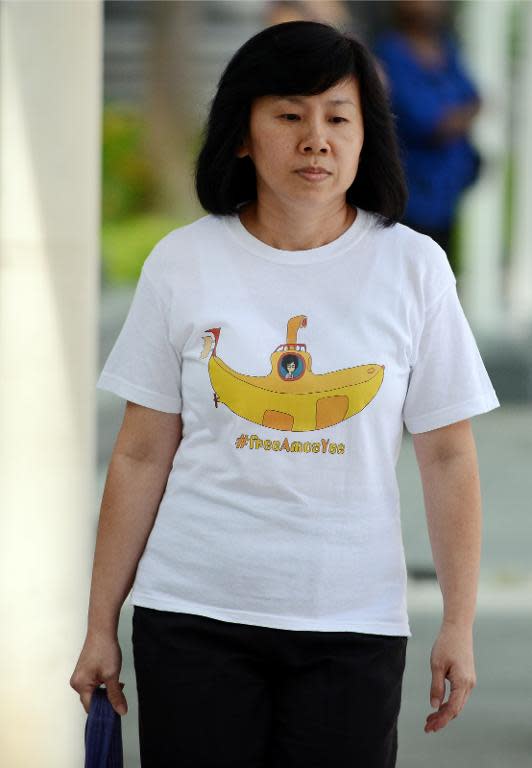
289, 114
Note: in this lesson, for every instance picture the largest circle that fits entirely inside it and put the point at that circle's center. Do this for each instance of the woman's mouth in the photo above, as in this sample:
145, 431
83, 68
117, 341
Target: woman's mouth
313, 176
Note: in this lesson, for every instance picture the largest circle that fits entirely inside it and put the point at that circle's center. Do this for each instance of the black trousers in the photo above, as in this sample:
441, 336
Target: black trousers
216, 694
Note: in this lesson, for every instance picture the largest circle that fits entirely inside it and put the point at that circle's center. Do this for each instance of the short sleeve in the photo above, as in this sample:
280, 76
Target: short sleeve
143, 365
448, 380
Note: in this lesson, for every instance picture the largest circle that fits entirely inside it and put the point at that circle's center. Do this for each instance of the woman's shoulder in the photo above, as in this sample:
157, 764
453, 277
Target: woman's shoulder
400, 235
177, 247
204, 226
421, 258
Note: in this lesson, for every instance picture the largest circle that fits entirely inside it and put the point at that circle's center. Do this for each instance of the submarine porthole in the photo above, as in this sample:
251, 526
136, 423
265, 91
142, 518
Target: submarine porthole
291, 366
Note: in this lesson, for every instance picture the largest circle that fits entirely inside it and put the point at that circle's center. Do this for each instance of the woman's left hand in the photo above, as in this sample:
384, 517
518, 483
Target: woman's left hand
451, 658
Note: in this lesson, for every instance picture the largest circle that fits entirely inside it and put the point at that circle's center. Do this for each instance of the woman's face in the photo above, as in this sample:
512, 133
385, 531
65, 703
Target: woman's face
290, 133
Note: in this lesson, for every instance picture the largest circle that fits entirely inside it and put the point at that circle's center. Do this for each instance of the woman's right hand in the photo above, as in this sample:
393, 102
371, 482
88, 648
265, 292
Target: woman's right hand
100, 662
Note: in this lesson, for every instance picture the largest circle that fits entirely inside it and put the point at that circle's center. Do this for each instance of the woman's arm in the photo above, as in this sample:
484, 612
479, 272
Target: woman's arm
136, 480
448, 465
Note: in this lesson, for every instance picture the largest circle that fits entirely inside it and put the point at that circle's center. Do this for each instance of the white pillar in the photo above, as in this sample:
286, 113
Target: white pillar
485, 31
520, 271
50, 102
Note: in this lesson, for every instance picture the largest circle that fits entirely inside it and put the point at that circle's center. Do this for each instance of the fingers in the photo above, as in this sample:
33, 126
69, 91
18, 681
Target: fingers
451, 658
84, 690
449, 709
85, 699
115, 695
437, 690
99, 664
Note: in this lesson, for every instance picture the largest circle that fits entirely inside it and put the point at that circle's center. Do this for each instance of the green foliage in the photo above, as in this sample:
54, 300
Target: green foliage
127, 243
128, 182
131, 225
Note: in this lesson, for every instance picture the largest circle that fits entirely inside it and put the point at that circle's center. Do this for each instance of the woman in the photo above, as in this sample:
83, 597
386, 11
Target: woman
270, 624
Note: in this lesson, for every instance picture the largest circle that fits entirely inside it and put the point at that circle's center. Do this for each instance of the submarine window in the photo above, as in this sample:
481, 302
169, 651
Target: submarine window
291, 367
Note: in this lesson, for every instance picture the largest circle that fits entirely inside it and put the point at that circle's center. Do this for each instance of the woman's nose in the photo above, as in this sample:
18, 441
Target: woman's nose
314, 144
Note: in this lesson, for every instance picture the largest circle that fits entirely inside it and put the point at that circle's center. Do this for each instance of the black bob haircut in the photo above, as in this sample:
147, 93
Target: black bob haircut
303, 58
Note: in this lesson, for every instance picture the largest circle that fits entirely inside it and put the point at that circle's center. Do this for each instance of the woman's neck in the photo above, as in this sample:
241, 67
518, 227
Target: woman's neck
290, 235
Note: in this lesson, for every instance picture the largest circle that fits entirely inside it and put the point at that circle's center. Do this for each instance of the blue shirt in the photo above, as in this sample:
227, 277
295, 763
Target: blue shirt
420, 95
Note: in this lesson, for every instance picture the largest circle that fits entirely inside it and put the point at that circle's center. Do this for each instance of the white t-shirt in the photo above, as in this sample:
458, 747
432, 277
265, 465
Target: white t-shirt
294, 372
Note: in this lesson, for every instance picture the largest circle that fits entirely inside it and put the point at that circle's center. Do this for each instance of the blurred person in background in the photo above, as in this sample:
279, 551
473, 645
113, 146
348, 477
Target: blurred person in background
251, 503
334, 12
435, 102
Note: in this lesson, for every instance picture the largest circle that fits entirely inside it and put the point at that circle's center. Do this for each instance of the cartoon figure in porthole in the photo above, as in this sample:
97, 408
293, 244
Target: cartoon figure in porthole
289, 363
291, 397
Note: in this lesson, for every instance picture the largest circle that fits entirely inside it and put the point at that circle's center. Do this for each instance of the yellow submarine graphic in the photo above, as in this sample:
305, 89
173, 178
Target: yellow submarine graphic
291, 397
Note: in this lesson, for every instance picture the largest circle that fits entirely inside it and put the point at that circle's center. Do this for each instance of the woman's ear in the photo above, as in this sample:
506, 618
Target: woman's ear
242, 149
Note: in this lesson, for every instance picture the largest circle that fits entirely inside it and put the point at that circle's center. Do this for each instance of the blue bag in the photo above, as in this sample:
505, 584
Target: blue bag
103, 733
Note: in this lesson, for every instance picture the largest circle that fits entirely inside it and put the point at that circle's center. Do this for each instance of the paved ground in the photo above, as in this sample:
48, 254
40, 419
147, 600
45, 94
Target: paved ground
494, 729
